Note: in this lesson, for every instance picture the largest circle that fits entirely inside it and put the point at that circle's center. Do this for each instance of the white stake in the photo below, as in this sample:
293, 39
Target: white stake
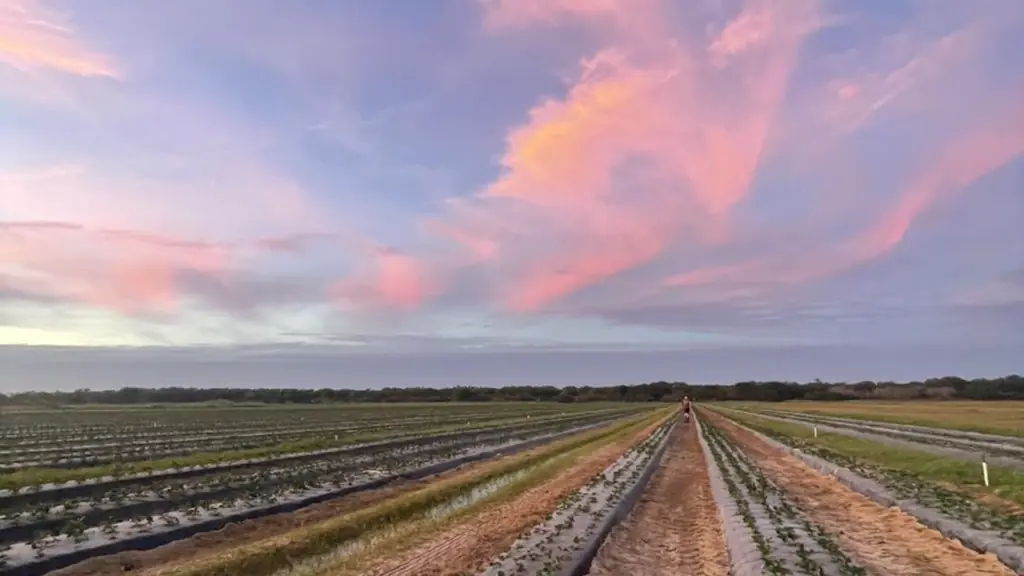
815, 431
984, 471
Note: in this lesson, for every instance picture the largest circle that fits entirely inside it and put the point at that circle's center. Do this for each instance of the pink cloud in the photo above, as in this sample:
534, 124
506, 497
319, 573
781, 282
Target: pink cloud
126, 271
394, 280
653, 144
231, 199
985, 148
961, 162
33, 38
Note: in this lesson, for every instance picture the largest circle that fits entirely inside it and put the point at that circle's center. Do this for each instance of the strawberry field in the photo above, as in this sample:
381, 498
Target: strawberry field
500, 489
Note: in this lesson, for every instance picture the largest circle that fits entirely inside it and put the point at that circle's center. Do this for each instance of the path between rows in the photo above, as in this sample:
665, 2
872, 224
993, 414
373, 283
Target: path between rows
886, 541
675, 528
472, 543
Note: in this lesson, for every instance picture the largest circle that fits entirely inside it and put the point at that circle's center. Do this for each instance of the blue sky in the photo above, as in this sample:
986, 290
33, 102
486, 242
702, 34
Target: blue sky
509, 192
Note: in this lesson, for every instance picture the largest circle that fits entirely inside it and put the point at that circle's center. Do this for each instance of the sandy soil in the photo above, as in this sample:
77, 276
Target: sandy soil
675, 528
472, 543
886, 541
242, 533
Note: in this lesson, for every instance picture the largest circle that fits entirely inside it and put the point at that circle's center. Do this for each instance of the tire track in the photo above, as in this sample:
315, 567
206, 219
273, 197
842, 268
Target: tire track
884, 540
676, 528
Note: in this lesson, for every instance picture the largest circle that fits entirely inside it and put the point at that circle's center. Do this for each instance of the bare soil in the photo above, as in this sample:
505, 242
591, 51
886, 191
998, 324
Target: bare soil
675, 528
470, 544
886, 541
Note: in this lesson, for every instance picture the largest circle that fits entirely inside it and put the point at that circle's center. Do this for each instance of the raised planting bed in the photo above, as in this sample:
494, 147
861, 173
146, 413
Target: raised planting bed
261, 486
72, 453
786, 540
1011, 447
930, 430
967, 450
54, 552
56, 493
567, 541
979, 527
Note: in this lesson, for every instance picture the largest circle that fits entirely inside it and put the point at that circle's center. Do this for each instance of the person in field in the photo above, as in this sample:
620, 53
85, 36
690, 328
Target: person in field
686, 408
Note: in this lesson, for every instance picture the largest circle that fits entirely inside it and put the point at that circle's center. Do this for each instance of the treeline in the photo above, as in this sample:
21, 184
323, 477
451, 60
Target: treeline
1009, 387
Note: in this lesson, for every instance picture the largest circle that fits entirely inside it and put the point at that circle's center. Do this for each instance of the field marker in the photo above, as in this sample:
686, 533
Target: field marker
984, 470
815, 431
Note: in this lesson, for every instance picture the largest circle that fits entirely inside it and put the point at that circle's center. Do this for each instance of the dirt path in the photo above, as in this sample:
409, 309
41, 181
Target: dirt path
675, 528
884, 540
470, 544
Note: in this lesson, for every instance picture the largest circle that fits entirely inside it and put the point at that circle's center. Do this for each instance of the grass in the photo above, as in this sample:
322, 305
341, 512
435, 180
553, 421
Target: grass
280, 552
43, 475
966, 477
1004, 417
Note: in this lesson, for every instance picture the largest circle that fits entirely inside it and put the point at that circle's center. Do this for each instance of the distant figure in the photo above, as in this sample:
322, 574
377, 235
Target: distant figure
686, 408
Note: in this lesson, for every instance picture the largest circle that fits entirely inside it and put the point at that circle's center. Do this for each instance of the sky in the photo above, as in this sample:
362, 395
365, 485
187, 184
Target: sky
360, 193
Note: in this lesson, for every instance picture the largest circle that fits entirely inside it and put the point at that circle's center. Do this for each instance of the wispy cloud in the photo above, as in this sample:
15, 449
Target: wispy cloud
548, 173
33, 38
654, 143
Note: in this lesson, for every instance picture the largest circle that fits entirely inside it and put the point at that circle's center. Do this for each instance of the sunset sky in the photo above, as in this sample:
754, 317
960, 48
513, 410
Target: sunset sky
370, 193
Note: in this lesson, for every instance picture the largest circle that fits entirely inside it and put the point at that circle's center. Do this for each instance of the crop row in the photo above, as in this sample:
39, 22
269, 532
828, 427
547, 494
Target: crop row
227, 422
327, 545
171, 415
140, 450
259, 486
905, 485
968, 450
179, 515
957, 433
35, 494
993, 444
30, 481
573, 531
787, 541
84, 439
979, 526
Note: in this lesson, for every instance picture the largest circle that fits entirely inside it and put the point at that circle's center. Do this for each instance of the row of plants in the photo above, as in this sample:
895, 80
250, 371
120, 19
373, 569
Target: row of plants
321, 547
30, 441
31, 484
558, 542
84, 426
1009, 448
952, 487
114, 500
951, 432
140, 450
75, 535
787, 540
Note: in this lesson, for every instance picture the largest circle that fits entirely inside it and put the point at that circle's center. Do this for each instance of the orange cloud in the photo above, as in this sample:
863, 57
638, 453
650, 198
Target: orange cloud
34, 38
